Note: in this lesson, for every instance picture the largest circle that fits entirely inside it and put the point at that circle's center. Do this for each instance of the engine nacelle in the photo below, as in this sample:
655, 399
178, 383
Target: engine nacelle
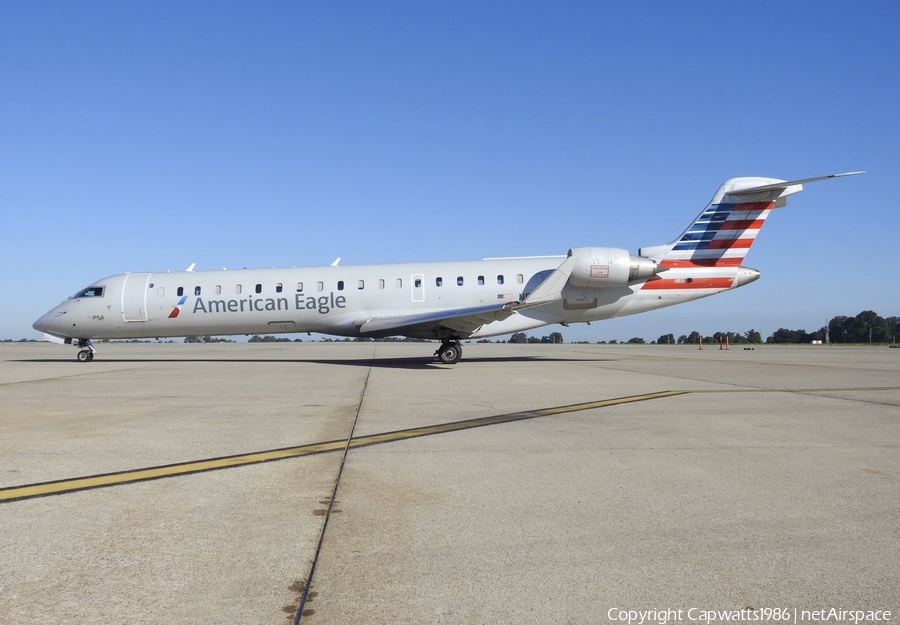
604, 267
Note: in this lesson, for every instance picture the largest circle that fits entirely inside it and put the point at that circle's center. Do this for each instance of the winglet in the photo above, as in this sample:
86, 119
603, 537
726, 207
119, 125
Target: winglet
336, 261
191, 268
550, 289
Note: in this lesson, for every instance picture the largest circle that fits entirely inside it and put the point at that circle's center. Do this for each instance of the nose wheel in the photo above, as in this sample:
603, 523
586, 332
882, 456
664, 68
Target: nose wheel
87, 350
449, 353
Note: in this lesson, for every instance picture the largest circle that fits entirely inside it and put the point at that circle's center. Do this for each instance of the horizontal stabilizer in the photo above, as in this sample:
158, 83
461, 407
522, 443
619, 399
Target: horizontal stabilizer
790, 183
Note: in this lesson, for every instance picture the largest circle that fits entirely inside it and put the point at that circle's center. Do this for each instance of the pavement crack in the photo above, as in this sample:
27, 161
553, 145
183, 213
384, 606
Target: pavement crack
331, 501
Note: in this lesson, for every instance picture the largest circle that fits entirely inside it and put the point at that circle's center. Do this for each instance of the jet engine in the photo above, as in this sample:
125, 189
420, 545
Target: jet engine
603, 267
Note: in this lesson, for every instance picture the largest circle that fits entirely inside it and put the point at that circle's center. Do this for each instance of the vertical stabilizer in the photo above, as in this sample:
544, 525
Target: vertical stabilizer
723, 233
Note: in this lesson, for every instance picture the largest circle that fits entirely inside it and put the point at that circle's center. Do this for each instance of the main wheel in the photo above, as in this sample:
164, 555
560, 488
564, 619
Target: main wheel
84, 355
450, 353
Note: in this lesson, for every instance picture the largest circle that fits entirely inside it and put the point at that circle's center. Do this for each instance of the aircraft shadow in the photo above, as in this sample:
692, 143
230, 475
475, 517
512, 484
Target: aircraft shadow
425, 362
431, 363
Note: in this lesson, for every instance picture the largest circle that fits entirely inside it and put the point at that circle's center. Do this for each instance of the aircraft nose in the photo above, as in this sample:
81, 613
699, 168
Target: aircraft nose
41, 324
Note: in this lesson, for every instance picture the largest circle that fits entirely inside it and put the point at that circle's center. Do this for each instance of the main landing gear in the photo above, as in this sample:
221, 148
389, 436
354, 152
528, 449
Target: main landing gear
87, 350
449, 352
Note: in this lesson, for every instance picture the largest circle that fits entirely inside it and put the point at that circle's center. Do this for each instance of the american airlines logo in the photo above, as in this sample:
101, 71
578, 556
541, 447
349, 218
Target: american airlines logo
322, 304
177, 308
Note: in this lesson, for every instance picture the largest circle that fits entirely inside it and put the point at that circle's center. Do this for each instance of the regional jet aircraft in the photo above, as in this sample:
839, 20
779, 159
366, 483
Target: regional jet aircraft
446, 301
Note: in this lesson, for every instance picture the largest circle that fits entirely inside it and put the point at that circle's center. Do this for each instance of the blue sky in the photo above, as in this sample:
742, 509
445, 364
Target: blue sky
149, 136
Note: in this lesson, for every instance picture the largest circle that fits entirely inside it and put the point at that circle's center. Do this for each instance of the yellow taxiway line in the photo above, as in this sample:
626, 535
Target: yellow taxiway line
57, 487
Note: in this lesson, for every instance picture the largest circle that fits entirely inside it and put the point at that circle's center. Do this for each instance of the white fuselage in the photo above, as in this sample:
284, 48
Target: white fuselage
338, 300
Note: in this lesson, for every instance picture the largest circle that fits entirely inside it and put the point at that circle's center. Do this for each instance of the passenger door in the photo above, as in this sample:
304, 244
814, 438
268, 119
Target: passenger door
134, 297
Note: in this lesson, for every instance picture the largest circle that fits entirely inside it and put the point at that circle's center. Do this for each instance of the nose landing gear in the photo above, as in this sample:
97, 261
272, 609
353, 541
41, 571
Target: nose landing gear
87, 350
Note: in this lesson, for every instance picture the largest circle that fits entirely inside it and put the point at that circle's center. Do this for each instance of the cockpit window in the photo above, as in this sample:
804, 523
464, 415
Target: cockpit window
91, 291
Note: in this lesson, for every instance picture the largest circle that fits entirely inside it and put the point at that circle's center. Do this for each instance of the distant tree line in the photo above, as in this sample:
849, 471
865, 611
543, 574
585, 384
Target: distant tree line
272, 339
387, 339
210, 339
866, 327
750, 337
359, 339
521, 337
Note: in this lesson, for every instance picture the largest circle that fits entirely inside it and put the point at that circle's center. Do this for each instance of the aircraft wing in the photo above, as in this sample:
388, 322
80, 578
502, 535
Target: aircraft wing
467, 320
463, 320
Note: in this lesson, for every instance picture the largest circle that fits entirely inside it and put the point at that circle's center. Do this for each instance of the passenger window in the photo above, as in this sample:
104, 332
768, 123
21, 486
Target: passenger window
180, 291
259, 288
279, 288
459, 281
361, 285
439, 282
499, 279
381, 283
299, 287
161, 291
481, 280
196, 290
218, 289
320, 286
520, 278
238, 289
399, 283
340, 285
